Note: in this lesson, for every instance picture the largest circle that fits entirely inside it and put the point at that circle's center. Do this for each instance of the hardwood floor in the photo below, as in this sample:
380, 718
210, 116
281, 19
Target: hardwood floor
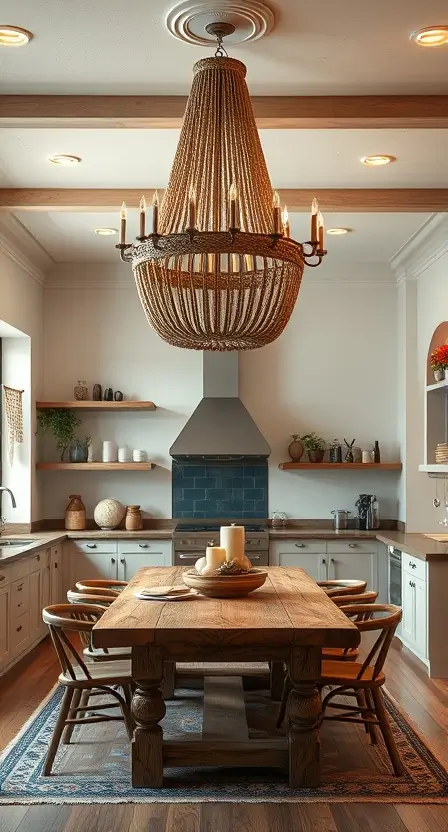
425, 700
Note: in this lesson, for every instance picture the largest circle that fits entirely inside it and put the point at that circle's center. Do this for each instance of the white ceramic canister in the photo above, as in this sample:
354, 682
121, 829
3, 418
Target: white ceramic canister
232, 539
109, 451
124, 454
139, 456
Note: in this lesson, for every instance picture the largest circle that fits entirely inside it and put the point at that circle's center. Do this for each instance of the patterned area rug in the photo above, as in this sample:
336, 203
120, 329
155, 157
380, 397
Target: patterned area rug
95, 767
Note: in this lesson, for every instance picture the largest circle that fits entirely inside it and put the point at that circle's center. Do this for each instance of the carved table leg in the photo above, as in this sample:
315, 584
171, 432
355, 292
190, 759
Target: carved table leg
305, 714
148, 708
277, 671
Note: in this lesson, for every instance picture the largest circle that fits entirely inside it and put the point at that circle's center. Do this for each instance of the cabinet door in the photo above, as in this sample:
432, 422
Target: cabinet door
45, 586
128, 565
55, 575
408, 588
420, 617
5, 626
92, 565
360, 566
35, 606
313, 563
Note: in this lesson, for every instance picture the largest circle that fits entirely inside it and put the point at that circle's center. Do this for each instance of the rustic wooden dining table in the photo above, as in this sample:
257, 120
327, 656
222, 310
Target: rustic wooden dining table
289, 619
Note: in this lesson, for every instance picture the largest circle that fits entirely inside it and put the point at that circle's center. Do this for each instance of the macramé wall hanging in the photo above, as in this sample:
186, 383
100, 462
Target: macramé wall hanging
14, 418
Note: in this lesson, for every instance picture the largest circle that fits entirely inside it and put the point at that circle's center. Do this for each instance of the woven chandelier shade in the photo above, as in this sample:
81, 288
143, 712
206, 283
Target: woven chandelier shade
215, 287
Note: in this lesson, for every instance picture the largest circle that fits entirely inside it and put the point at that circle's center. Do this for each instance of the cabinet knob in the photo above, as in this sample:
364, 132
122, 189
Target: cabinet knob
91, 545
324, 562
412, 565
332, 561
2, 577
300, 545
143, 545
352, 545
122, 560
19, 588
412, 583
18, 628
38, 558
55, 566
112, 560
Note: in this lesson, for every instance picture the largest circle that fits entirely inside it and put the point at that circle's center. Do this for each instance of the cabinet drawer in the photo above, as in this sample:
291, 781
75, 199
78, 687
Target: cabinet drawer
36, 561
106, 547
138, 547
289, 547
20, 633
20, 597
5, 575
340, 547
413, 566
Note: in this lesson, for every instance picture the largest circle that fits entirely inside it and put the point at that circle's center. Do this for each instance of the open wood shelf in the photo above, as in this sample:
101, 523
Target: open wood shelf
95, 466
337, 466
101, 405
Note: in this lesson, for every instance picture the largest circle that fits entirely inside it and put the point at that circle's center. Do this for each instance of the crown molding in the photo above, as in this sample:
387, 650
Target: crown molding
424, 248
19, 245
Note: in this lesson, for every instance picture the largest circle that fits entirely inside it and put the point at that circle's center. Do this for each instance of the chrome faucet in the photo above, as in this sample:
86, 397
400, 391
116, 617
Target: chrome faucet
13, 499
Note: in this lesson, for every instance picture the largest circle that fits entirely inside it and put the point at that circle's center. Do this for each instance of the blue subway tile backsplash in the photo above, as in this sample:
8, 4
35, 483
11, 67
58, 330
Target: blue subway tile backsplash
220, 490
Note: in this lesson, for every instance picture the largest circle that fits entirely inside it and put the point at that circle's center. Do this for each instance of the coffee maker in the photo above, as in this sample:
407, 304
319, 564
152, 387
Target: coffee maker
368, 516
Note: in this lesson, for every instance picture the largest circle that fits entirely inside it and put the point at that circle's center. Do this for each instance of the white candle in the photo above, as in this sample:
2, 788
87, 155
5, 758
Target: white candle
215, 556
232, 539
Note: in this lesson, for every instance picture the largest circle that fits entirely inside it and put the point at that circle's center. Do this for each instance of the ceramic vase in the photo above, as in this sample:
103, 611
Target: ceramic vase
108, 514
97, 393
78, 451
80, 392
295, 449
75, 513
316, 456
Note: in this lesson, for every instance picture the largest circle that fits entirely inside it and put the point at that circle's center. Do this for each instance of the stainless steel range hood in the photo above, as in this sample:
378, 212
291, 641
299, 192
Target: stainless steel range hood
220, 428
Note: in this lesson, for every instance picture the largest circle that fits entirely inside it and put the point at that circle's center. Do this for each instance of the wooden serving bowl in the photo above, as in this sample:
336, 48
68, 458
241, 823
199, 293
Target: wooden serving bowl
225, 586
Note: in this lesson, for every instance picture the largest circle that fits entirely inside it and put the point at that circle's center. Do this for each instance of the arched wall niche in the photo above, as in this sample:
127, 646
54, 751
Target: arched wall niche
440, 336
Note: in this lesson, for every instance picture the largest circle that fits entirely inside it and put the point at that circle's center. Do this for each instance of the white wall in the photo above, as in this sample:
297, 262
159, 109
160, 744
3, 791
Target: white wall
21, 306
16, 372
333, 370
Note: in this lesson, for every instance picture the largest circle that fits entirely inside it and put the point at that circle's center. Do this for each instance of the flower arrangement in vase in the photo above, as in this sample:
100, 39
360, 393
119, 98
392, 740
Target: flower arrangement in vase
439, 362
314, 446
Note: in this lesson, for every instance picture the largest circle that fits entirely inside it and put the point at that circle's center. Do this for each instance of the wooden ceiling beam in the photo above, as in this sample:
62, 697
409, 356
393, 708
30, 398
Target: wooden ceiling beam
347, 200
271, 112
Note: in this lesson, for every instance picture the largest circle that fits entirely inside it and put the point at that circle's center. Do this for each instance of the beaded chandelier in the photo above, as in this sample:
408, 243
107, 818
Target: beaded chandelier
219, 270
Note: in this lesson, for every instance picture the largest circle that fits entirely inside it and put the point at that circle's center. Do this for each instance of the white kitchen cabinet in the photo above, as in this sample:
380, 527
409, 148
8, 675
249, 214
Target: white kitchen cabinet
115, 560
5, 625
55, 575
414, 627
359, 566
307, 555
36, 604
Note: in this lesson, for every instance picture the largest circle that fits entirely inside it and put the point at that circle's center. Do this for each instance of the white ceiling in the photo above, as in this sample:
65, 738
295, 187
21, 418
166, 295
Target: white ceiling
69, 237
331, 47
295, 158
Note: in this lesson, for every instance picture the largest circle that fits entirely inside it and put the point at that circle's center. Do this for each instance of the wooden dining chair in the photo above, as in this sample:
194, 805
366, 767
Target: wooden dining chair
91, 653
366, 678
348, 654
101, 585
343, 587
82, 681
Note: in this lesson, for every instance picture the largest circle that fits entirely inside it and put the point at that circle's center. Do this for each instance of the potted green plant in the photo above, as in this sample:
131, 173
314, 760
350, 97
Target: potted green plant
314, 446
62, 424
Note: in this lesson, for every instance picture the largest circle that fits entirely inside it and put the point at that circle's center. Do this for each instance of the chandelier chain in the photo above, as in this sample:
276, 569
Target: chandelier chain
220, 49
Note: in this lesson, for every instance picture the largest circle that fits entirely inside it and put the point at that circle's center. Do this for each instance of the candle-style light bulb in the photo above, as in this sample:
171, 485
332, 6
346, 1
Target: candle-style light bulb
192, 209
155, 213
320, 231
233, 196
276, 213
285, 222
314, 213
123, 217
142, 215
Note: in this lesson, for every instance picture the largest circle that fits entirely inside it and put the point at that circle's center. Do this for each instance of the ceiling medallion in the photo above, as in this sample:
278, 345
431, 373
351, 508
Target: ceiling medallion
219, 271
188, 20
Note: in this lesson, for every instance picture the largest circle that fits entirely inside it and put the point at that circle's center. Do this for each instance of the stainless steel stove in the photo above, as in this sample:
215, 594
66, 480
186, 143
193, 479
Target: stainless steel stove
190, 541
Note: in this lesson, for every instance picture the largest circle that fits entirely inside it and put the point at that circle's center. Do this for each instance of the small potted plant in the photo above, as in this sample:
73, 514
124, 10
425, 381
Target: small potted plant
314, 446
439, 362
62, 424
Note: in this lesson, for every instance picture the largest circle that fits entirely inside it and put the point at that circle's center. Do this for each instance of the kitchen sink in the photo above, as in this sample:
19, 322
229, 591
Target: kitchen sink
5, 542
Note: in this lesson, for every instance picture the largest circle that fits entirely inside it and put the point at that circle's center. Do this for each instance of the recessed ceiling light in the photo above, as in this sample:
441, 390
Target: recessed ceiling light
377, 160
431, 36
106, 232
14, 36
337, 232
64, 159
